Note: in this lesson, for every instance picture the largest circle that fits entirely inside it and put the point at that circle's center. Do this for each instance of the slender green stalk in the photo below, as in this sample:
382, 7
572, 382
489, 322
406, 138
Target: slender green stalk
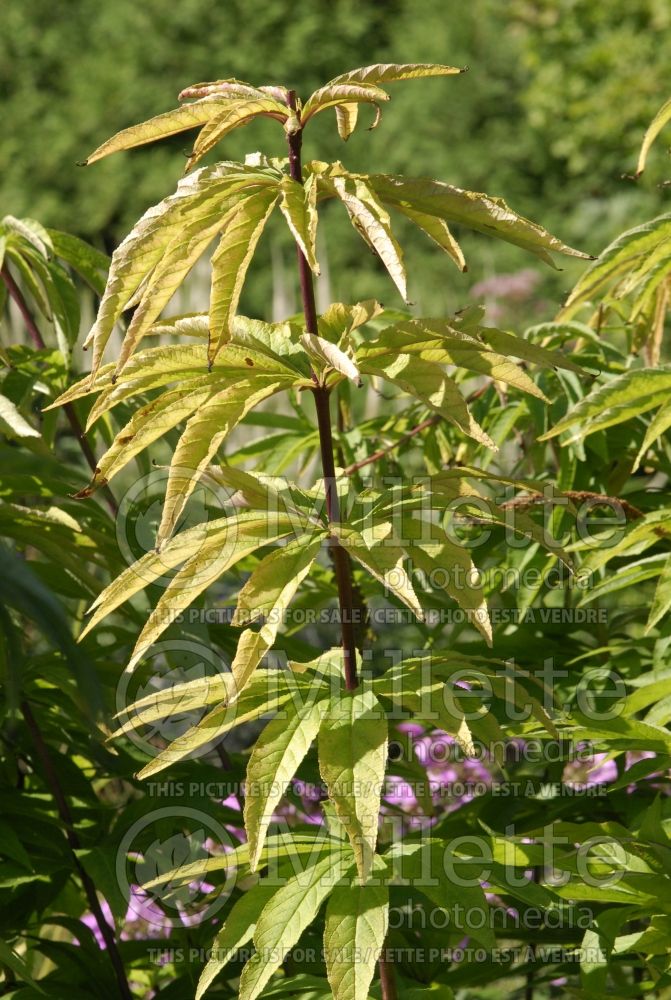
341, 560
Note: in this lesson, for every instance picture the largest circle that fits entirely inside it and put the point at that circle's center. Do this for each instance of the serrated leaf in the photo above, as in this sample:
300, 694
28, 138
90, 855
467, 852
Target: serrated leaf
352, 747
384, 560
205, 431
472, 209
236, 930
355, 928
371, 220
389, 72
339, 320
230, 262
180, 119
282, 921
146, 425
636, 260
276, 757
236, 114
661, 119
430, 384
333, 94
204, 196
202, 543
298, 206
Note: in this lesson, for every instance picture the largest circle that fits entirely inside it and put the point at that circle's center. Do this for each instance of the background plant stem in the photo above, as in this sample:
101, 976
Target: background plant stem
73, 419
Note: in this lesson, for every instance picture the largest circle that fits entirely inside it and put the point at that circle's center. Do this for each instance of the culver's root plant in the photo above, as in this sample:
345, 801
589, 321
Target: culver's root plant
202, 375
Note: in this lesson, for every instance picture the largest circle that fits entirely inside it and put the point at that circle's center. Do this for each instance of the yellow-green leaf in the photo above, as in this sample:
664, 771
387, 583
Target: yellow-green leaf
297, 204
276, 757
352, 759
355, 929
230, 262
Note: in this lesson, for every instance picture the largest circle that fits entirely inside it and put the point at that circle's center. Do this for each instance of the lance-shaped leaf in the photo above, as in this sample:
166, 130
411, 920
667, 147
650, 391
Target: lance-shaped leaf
270, 588
213, 543
436, 342
384, 559
276, 757
356, 923
621, 398
471, 209
202, 196
282, 921
298, 206
148, 424
236, 114
263, 696
371, 220
334, 94
431, 551
180, 119
268, 593
326, 357
352, 747
662, 118
412, 687
429, 383
229, 87
389, 72
203, 434
236, 930
230, 262
202, 568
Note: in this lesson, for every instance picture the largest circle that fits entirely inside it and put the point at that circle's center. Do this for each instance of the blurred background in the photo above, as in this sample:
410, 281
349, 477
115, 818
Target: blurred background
550, 116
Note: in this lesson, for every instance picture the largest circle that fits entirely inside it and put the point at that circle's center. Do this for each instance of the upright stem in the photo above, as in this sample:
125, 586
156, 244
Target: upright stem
387, 978
38, 341
63, 810
341, 560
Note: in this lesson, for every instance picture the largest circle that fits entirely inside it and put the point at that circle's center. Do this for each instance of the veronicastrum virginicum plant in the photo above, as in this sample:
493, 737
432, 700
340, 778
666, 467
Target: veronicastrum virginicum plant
207, 385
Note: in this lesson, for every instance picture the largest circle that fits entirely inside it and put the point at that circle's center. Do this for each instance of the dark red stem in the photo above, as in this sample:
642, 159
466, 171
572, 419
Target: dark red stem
341, 560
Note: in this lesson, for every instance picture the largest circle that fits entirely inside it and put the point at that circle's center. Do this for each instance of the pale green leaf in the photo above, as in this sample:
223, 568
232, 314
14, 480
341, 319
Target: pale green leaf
346, 118
658, 426
230, 262
13, 423
326, 357
371, 220
276, 757
438, 230
661, 602
383, 557
471, 209
298, 208
204, 433
334, 94
352, 759
180, 119
282, 921
357, 917
236, 930
661, 119
389, 72
236, 114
